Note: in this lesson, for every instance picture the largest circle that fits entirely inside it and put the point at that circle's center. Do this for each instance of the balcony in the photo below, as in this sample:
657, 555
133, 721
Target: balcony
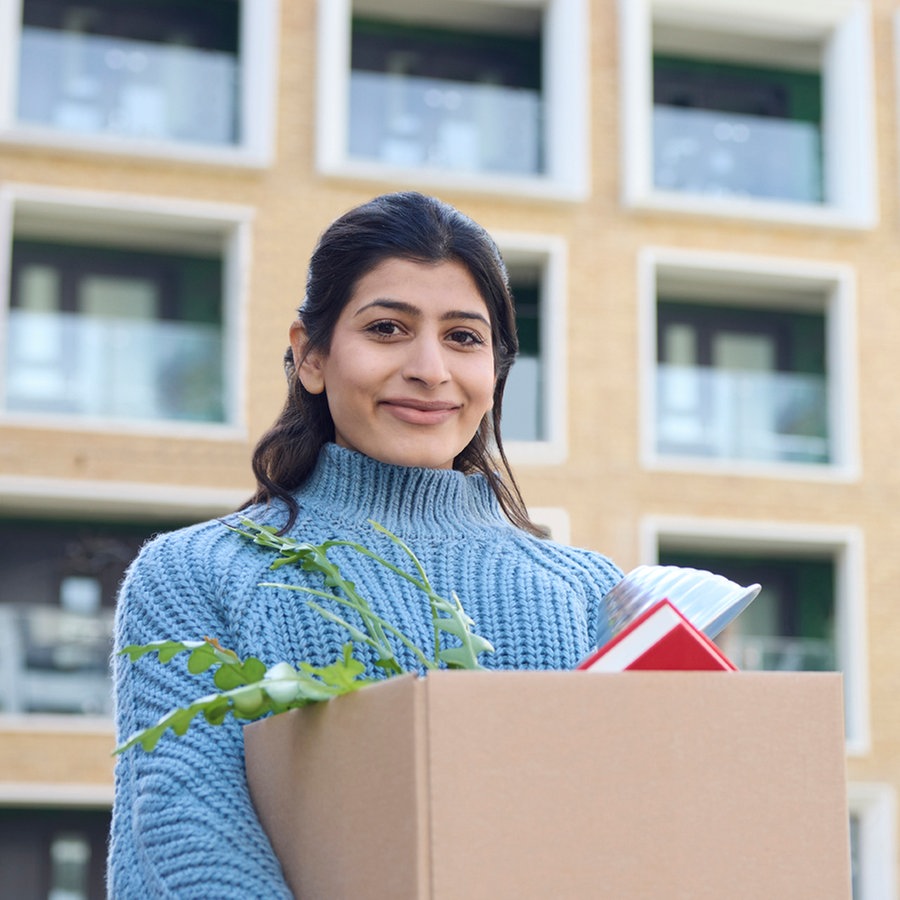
776, 653
105, 366
523, 401
730, 414
436, 123
708, 152
96, 84
54, 661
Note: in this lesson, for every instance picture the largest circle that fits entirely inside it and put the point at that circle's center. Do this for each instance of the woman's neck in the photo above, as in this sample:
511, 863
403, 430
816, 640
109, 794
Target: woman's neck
355, 488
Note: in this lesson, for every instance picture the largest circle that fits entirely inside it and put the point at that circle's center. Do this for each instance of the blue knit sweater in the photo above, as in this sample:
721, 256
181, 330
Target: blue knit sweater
183, 822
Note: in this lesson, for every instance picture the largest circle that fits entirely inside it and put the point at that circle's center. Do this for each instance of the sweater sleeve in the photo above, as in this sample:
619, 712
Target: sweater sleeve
184, 825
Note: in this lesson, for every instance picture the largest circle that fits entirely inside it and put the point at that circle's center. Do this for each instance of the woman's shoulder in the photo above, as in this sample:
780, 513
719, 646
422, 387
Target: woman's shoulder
203, 550
580, 563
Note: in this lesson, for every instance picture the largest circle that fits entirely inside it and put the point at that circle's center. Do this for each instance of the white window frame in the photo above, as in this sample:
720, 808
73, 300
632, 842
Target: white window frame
550, 253
144, 222
844, 544
875, 806
777, 277
841, 28
259, 41
565, 93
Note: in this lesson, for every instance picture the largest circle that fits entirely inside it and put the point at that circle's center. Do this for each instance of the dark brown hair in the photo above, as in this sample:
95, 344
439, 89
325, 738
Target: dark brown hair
411, 226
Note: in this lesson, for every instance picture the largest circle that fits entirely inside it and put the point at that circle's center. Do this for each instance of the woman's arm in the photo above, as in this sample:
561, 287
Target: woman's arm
183, 822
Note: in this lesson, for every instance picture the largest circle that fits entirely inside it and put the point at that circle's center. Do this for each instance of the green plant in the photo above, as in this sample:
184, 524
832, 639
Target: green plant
248, 689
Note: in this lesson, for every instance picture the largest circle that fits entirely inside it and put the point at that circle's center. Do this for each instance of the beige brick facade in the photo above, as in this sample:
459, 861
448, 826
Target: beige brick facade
603, 486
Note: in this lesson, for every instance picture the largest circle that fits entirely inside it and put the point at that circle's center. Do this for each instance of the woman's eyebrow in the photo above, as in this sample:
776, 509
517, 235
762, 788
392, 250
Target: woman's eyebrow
409, 309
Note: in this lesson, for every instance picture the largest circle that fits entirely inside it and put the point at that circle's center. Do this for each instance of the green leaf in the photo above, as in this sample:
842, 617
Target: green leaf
229, 677
166, 650
344, 674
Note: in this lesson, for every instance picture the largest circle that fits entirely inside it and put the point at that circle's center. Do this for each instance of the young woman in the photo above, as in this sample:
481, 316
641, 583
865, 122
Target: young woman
396, 370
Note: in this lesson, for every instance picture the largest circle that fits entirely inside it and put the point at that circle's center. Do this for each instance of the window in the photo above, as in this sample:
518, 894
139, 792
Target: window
810, 613
790, 625
749, 111
114, 333
752, 364
486, 94
173, 72
724, 129
873, 840
742, 383
524, 404
534, 400
116, 317
445, 97
59, 854
58, 585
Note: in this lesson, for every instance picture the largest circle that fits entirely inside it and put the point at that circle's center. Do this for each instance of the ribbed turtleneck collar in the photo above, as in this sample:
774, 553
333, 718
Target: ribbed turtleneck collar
353, 487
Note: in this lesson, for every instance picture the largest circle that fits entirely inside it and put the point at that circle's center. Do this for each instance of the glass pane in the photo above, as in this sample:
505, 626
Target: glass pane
124, 345
790, 625
680, 345
70, 857
157, 73
58, 582
118, 297
743, 352
523, 399
53, 853
35, 358
121, 368
735, 382
855, 857
735, 129
765, 416
410, 121
709, 152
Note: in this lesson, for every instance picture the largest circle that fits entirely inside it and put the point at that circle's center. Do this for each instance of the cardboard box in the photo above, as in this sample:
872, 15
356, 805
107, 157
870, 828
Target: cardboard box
470, 785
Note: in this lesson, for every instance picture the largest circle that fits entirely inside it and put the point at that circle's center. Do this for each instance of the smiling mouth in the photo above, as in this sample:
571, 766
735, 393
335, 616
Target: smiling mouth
421, 412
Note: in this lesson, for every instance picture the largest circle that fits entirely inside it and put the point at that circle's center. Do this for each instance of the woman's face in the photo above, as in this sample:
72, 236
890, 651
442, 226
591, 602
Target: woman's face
410, 372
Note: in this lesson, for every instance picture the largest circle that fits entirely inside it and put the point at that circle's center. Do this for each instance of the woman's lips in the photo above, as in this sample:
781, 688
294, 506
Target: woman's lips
420, 412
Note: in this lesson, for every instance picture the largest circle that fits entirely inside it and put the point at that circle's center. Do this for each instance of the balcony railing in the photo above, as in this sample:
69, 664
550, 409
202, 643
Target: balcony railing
69, 363
766, 416
411, 121
54, 661
106, 85
702, 151
523, 401
777, 653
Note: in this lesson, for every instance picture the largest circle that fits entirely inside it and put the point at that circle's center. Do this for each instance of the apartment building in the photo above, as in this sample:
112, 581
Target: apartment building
699, 204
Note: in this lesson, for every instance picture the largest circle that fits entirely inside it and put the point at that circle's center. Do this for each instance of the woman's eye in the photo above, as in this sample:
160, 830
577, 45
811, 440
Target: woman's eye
383, 329
465, 337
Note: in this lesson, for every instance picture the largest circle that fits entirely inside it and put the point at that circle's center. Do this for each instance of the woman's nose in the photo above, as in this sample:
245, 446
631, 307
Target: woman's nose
426, 362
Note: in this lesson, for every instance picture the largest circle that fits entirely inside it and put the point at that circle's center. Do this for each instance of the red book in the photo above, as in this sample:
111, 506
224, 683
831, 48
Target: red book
660, 638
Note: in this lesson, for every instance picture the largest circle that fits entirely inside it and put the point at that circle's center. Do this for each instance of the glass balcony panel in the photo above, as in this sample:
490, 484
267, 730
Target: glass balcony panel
116, 367
770, 416
522, 401
107, 85
413, 121
703, 151
52, 660
779, 653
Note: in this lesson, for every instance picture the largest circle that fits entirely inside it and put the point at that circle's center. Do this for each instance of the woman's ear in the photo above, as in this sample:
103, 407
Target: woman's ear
307, 363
